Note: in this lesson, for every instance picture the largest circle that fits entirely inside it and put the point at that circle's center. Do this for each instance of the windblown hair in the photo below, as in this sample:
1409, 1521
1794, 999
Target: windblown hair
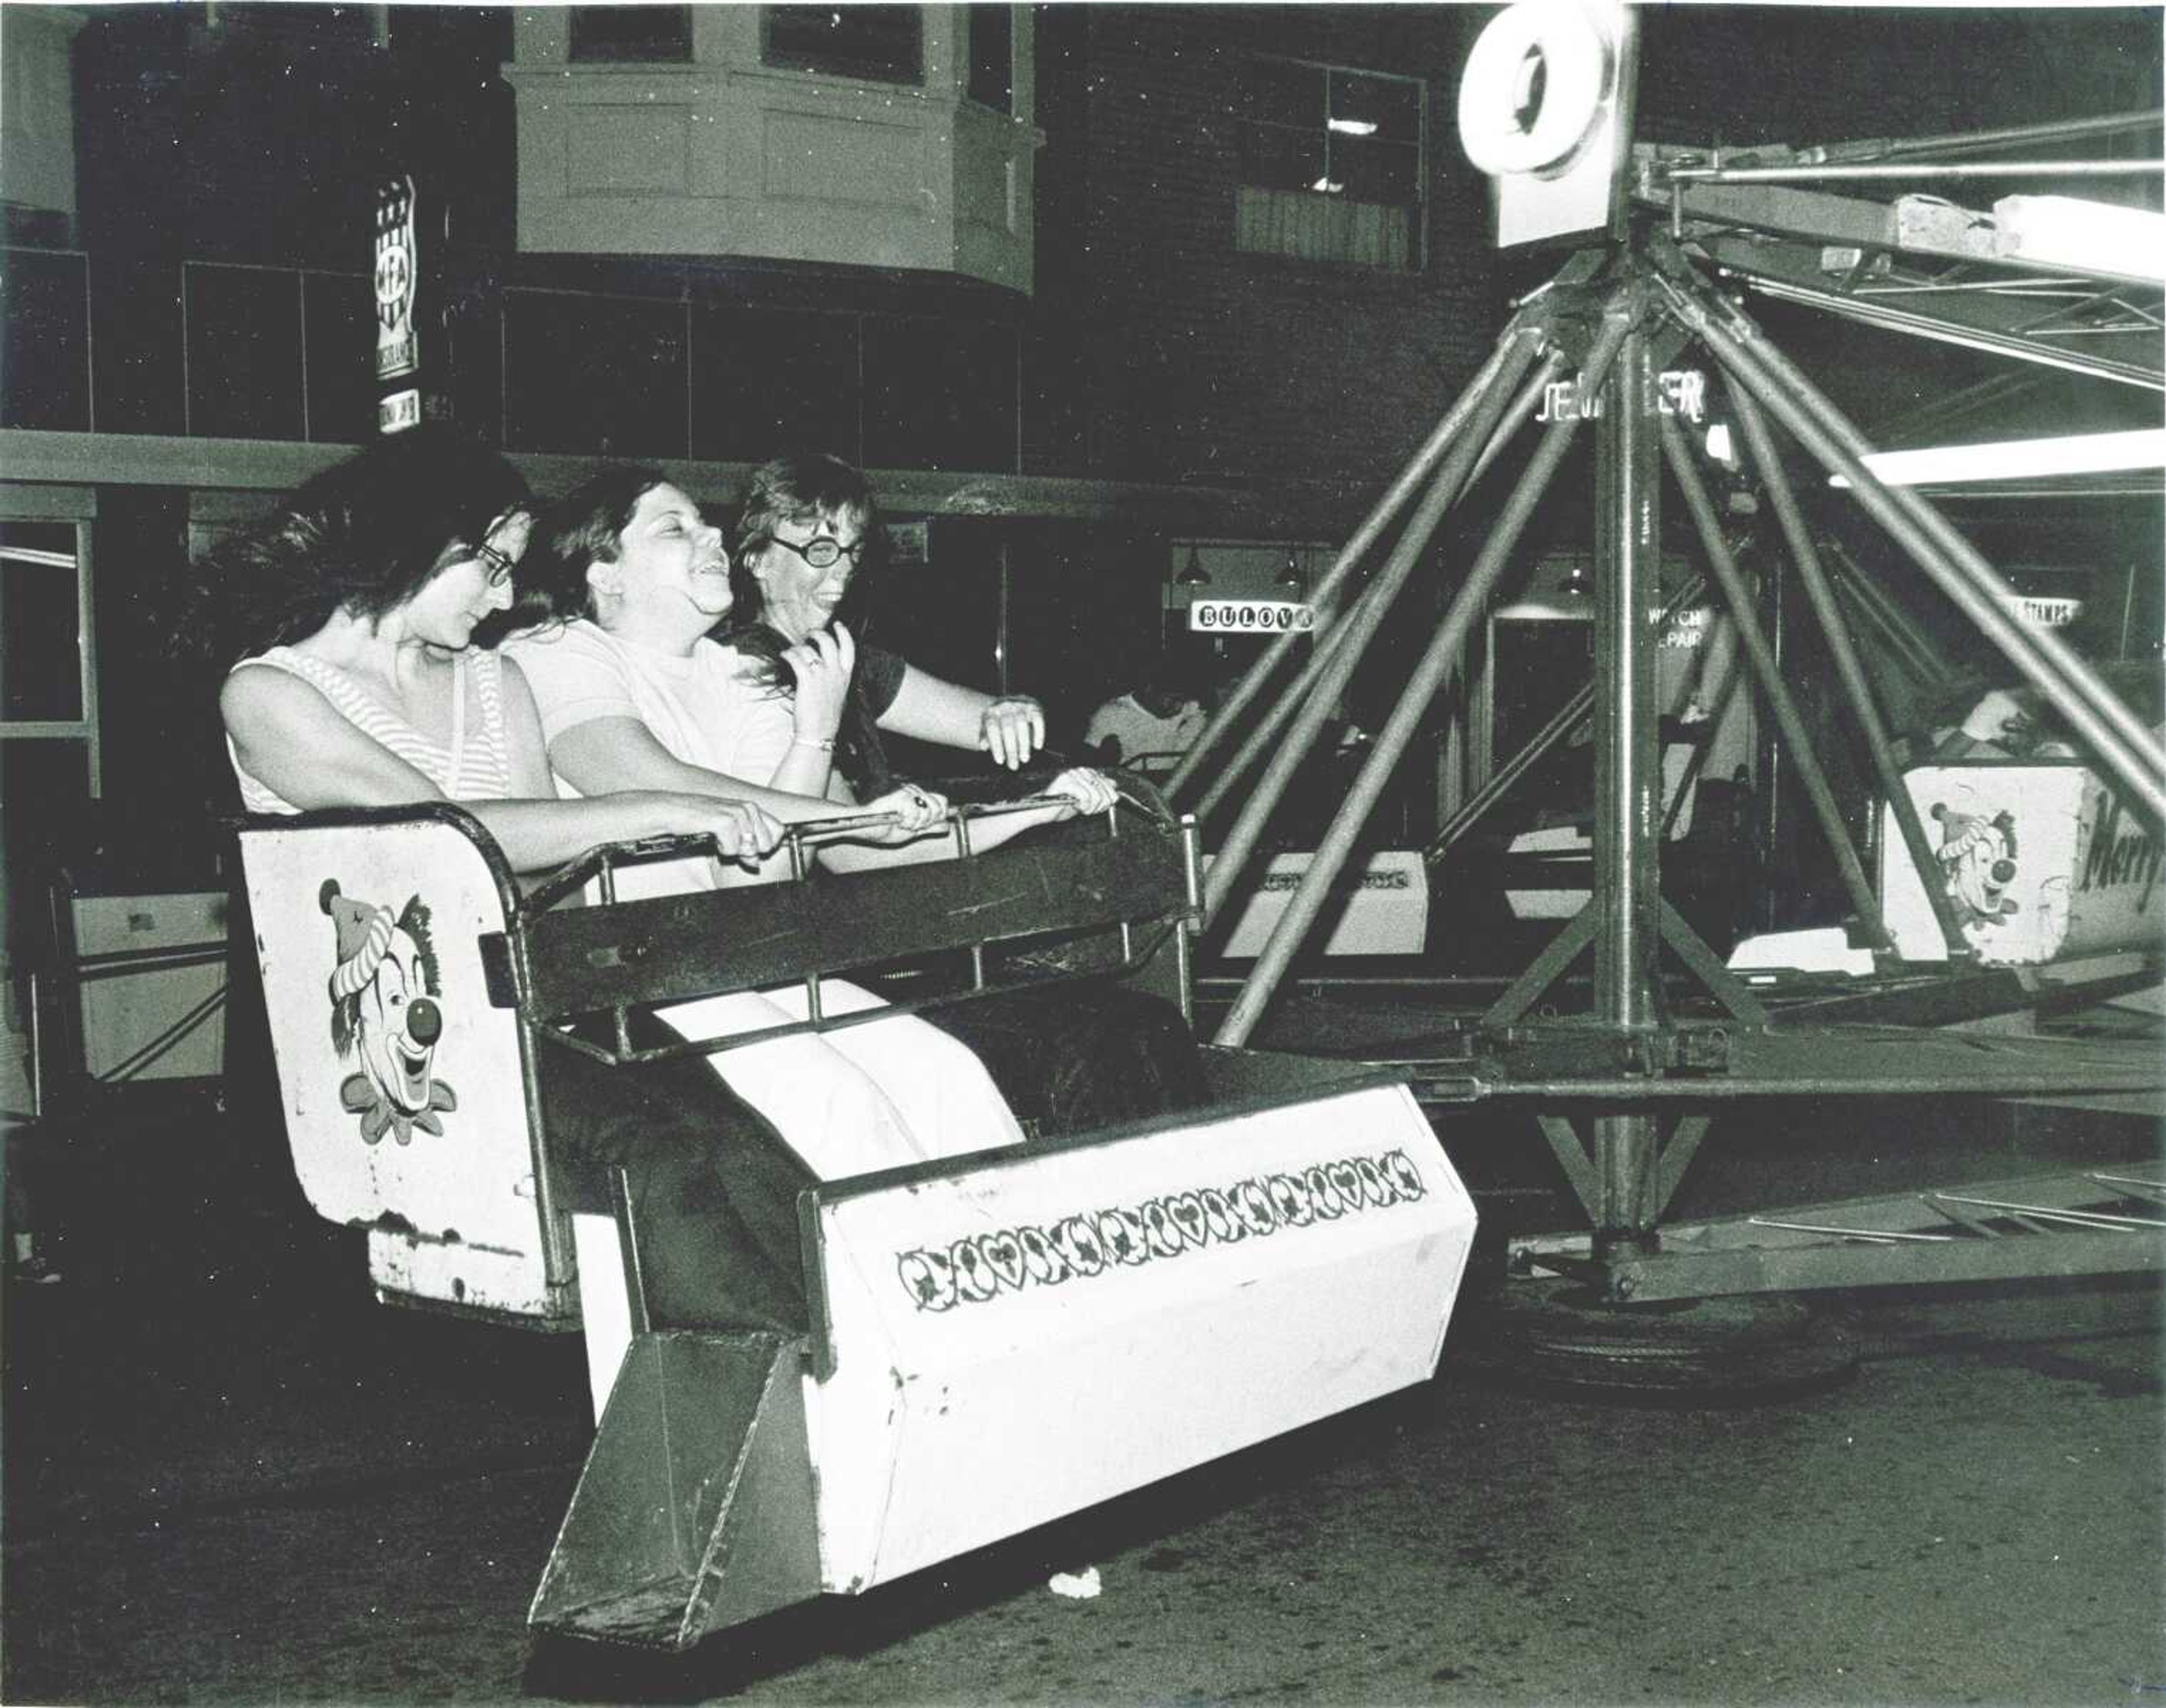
363, 536
799, 489
585, 526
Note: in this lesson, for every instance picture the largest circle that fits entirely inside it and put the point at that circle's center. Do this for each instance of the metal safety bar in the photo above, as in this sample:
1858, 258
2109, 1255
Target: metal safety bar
621, 1052
559, 966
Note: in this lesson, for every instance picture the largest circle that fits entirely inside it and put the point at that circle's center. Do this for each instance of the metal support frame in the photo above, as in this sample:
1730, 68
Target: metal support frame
1624, 1095
1370, 607
1568, 718
1768, 673
2093, 710
1436, 664
1359, 628
1898, 629
1820, 593
1627, 891
2094, 1222
1445, 437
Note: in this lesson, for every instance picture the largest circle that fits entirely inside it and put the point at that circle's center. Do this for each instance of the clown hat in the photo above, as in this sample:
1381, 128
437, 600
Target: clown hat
364, 935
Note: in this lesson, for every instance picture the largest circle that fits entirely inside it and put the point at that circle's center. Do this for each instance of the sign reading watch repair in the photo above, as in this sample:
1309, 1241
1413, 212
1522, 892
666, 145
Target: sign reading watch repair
1251, 616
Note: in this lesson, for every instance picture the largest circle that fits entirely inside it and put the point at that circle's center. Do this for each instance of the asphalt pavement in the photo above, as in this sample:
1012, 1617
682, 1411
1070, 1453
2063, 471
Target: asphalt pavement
230, 1476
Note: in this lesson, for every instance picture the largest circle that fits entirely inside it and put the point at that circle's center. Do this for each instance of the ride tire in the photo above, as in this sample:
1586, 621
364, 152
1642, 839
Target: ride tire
1557, 1336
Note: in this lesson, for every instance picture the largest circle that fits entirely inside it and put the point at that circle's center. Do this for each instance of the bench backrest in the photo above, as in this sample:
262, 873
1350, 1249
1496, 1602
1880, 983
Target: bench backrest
407, 1094
1083, 877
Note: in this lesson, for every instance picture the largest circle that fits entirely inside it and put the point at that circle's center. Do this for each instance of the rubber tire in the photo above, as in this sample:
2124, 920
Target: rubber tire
1554, 1335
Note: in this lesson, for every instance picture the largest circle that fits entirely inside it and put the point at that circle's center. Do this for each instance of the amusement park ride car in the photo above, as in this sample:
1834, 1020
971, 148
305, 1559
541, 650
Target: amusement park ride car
893, 1369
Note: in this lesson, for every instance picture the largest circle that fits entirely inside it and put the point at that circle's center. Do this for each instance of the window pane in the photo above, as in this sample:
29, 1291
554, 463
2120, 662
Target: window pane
992, 57
40, 640
648, 33
244, 352
1279, 92
763, 378
44, 341
1331, 164
1311, 227
44, 787
1281, 158
882, 43
1375, 171
1391, 105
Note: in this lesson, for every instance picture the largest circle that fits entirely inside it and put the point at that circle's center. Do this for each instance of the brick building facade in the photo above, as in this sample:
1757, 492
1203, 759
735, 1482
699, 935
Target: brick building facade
1202, 361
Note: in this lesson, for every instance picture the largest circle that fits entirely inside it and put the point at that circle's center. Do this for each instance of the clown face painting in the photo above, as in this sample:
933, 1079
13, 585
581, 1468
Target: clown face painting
1978, 854
386, 1011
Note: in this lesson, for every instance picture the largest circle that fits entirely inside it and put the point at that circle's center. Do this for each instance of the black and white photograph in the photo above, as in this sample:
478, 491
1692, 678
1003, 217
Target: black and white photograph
1115, 855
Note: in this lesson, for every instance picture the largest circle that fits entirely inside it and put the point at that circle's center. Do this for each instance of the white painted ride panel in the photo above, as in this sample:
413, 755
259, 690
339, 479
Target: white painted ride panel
1378, 907
2040, 860
1026, 1339
125, 1012
404, 1096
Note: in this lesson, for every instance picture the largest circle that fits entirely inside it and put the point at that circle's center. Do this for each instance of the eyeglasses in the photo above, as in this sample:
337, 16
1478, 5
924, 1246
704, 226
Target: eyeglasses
498, 566
821, 553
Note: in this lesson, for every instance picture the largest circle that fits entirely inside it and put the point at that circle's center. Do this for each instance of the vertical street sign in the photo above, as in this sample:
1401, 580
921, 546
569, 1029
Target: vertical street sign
397, 349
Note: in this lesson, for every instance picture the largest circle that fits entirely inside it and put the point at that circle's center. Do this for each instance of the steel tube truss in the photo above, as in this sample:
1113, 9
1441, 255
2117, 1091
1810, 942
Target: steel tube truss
1358, 630
1511, 351
1798, 537
1769, 674
1374, 602
2089, 1224
1624, 1094
2069, 684
1437, 663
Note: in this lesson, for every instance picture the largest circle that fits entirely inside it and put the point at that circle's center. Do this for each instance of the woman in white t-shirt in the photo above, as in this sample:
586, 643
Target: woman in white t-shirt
632, 691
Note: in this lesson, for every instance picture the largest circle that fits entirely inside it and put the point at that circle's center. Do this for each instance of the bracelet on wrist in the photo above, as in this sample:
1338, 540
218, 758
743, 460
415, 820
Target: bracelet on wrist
806, 741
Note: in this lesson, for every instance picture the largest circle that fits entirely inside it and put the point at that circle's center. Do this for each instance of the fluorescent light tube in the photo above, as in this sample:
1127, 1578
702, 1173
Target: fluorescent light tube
2018, 459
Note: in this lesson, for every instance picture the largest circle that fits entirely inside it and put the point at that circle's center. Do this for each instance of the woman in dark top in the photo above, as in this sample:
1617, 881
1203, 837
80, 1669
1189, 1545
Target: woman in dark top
1084, 1055
799, 538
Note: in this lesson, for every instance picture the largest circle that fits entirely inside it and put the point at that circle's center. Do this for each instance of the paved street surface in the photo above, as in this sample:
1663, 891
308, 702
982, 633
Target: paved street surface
230, 1478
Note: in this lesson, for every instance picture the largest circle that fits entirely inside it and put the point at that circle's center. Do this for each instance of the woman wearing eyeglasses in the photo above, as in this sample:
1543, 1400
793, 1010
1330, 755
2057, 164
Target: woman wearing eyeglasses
1083, 1054
353, 613
801, 535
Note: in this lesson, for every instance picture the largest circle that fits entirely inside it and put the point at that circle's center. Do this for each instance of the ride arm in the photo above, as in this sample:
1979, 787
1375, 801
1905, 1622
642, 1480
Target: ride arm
1010, 727
605, 754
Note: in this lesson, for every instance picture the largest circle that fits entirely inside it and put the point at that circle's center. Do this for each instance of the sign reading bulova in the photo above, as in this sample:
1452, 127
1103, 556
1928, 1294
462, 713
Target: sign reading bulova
1253, 617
